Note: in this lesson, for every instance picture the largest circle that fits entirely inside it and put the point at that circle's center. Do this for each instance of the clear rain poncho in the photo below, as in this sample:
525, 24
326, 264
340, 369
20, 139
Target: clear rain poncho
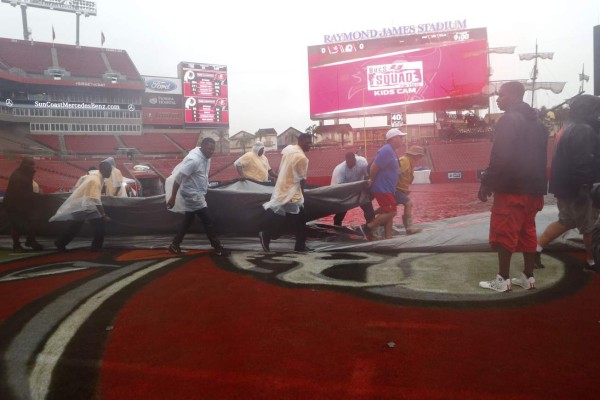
83, 203
115, 181
253, 166
287, 195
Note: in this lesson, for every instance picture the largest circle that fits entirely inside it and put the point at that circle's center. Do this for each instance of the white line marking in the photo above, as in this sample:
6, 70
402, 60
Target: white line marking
41, 376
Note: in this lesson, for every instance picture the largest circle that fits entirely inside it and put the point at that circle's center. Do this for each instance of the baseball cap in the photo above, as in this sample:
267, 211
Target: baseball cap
393, 133
416, 151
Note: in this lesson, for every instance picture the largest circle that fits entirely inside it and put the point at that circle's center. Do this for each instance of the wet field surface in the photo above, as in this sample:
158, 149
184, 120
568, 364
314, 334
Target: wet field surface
435, 202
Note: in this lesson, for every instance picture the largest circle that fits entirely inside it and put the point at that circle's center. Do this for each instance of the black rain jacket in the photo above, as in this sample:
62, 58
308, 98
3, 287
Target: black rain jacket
518, 156
576, 160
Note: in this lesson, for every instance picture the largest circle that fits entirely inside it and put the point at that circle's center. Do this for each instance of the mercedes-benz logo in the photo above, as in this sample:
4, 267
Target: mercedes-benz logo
9, 103
131, 107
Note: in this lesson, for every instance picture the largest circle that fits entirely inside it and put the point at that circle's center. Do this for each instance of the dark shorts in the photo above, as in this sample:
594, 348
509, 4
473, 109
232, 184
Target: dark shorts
386, 201
512, 224
578, 212
401, 197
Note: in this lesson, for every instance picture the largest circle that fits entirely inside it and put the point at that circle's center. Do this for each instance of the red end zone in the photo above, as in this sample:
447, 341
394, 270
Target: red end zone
201, 328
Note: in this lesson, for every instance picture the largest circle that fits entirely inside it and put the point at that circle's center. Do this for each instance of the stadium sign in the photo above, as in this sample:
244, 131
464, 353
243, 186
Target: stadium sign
162, 100
156, 84
68, 105
426, 28
455, 175
397, 120
75, 6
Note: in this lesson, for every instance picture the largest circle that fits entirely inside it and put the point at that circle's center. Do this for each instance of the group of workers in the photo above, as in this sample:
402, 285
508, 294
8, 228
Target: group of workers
84, 203
516, 177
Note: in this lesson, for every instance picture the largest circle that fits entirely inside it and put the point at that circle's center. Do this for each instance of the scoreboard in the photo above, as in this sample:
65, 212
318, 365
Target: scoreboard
413, 73
205, 94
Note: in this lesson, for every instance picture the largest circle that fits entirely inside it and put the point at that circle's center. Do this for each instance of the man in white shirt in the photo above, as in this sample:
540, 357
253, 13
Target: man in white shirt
187, 186
354, 169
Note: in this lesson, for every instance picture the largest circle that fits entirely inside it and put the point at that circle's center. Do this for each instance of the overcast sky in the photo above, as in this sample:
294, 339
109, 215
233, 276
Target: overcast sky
264, 42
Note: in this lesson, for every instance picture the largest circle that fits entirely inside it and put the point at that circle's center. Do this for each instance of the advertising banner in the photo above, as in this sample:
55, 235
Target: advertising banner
157, 84
162, 116
68, 105
157, 100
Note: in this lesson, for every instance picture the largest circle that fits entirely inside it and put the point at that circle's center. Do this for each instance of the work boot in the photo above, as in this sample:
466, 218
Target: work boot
32, 243
222, 251
408, 226
174, 249
265, 240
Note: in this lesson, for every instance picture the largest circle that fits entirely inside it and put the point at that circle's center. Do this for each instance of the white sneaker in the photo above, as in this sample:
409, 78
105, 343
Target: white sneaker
524, 282
499, 284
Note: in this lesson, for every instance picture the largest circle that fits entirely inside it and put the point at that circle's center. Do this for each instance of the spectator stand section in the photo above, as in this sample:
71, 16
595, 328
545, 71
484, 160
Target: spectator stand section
186, 141
17, 144
152, 143
91, 144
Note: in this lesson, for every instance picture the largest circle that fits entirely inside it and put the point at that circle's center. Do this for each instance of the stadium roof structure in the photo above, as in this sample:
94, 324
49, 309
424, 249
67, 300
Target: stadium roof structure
67, 65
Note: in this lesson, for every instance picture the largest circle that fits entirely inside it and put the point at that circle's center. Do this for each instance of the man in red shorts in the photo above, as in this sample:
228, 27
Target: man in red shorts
517, 178
384, 176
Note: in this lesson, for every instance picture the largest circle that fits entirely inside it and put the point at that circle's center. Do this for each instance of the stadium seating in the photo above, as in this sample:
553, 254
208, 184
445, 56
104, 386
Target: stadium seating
31, 57
55, 174
186, 141
36, 58
222, 168
60, 168
120, 62
151, 143
91, 144
51, 141
164, 166
10, 146
81, 61
51, 175
7, 167
17, 144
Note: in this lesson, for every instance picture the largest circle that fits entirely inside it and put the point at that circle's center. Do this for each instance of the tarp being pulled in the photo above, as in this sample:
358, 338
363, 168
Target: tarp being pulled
234, 207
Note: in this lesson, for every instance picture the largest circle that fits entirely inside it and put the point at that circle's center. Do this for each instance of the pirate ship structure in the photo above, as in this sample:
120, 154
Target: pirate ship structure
469, 124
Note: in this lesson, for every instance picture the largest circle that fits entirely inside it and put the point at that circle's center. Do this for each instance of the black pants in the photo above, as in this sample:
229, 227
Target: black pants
275, 225
188, 220
98, 225
368, 212
21, 224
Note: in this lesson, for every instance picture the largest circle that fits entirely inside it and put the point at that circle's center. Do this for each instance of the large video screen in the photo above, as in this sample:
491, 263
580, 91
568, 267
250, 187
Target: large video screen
416, 73
205, 93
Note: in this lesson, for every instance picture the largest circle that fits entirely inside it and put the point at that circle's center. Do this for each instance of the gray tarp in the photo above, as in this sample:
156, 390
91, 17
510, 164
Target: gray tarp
235, 208
458, 234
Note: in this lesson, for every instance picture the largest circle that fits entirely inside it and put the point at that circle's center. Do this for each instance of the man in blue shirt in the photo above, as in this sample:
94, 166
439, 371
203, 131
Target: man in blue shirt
384, 176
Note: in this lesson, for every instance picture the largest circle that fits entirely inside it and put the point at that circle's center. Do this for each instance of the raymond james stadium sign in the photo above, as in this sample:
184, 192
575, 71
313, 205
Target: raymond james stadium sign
397, 31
